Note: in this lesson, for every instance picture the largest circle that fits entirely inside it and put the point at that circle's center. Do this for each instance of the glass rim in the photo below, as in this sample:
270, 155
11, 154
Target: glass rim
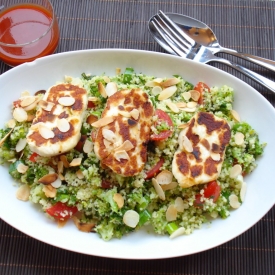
36, 39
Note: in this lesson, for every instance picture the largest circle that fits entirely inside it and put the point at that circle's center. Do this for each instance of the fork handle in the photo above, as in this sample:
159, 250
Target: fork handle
266, 63
269, 84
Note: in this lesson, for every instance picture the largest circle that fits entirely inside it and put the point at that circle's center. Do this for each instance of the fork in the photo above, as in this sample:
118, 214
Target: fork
184, 46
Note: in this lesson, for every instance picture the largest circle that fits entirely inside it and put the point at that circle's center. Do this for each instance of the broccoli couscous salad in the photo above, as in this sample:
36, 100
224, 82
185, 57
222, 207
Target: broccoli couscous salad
113, 154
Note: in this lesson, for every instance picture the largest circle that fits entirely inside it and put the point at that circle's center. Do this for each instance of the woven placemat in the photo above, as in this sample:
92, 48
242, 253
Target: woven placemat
246, 26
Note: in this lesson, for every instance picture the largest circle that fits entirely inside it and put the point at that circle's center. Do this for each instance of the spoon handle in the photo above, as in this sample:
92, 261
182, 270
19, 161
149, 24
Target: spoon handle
269, 84
266, 63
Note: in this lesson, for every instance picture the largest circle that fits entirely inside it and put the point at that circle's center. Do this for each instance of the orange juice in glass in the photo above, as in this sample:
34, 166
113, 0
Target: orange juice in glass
28, 30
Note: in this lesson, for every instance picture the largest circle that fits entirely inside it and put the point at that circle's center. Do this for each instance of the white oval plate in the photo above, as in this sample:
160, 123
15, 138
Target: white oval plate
251, 106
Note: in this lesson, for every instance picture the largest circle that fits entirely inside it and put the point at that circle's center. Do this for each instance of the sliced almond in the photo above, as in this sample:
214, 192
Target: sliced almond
195, 95
170, 82
180, 231
88, 146
23, 192
185, 143
66, 101
103, 122
63, 125
183, 126
93, 98
79, 174
181, 104
83, 227
173, 107
121, 155
215, 156
5, 137
58, 110
156, 90
169, 186
61, 223
243, 191
235, 171
64, 159
48, 179
30, 117
179, 204
49, 191
131, 218
60, 167
171, 213
21, 144
25, 93
20, 115
186, 95
57, 183
124, 113
135, 114
164, 177
109, 135
239, 138
28, 100
61, 177
127, 146
107, 143
106, 79
119, 200
235, 115
45, 105
191, 104
45, 132
234, 201
188, 110
158, 189
101, 89
111, 88
167, 92
91, 119
75, 162
22, 168
11, 123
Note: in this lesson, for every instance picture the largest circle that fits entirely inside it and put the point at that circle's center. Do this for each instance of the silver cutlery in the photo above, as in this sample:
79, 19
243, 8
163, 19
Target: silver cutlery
204, 35
185, 46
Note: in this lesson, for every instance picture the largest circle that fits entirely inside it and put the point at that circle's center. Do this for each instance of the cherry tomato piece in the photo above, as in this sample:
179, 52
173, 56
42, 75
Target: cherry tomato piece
80, 144
61, 211
90, 105
17, 103
105, 184
201, 87
162, 117
155, 170
33, 157
212, 190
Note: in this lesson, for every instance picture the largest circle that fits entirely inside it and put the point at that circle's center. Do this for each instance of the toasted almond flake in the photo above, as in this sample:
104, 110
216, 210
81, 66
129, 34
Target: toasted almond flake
186, 95
61, 177
61, 223
167, 92
180, 231
171, 213
243, 191
239, 138
173, 107
158, 189
45, 132
127, 146
131, 218
79, 174
58, 110
5, 137
11, 123
66, 101
158, 80
88, 146
28, 100
188, 110
63, 125
119, 200
103, 122
83, 227
135, 114
181, 104
30, 117
101, 89
191, 104
25, 93
57, 183
215, 156
106, 79
93, 99
185, 143
20, 115
121, 155
195, 95
21, 144
91, 119
64, 159
109, 135
235, 115
150, 84
49, 191
107, 143
111, 88
235, 171
234, 201
22, 168
179, 204
32, 106
164, 177
75, 162
170, 82
23, 192
60, 167
48, 179
12, 160
169, 186
156, 90
124, 113
183, 126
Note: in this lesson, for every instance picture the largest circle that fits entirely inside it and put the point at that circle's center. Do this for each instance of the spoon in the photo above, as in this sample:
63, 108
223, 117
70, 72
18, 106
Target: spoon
203, 35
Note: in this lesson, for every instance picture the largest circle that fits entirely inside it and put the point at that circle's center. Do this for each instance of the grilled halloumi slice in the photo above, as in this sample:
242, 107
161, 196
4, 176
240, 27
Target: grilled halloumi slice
56, 127
121, 145
201, 150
